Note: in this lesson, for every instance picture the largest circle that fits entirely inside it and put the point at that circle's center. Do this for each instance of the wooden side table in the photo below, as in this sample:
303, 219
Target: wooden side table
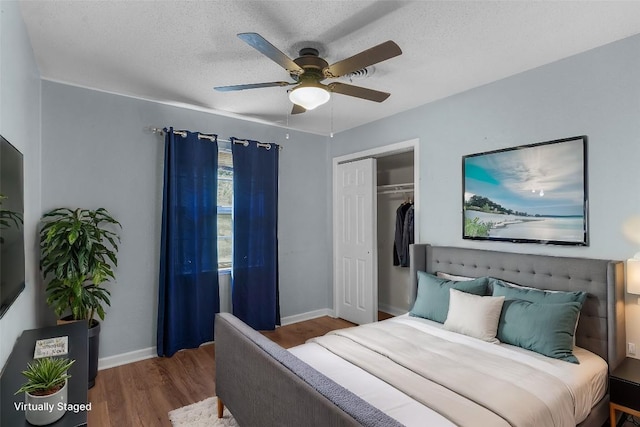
22, 353
624, 389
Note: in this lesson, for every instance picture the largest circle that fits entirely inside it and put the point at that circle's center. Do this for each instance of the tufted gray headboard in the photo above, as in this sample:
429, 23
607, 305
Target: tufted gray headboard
601, 328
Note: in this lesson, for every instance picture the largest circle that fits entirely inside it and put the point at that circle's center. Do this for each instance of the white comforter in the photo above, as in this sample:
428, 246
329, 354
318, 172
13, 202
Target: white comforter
544, 391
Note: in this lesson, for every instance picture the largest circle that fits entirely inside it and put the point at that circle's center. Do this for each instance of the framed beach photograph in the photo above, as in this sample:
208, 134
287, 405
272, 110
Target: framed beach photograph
534, 193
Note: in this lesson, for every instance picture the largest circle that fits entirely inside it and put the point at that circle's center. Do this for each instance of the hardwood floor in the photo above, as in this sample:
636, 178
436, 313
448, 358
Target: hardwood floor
298, 333
384, 316
141, 394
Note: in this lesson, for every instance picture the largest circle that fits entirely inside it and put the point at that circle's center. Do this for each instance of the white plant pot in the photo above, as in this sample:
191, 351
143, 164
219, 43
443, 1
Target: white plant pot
43, 410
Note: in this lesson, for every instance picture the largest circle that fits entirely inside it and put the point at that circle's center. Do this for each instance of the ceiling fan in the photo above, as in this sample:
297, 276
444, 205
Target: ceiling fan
309, 70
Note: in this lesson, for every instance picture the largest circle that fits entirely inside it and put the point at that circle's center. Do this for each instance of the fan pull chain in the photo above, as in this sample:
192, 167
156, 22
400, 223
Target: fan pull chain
331, 134
286, 136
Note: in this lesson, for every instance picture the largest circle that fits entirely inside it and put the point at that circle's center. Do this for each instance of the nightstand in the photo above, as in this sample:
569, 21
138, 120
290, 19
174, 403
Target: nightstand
624, 389
22, 353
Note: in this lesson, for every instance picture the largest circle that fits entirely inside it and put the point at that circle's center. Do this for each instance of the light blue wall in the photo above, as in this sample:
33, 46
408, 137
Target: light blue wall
20, 124
96, 152
596, 93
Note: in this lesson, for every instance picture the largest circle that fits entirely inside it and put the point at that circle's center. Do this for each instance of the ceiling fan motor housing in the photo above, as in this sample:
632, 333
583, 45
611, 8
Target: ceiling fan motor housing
312, 65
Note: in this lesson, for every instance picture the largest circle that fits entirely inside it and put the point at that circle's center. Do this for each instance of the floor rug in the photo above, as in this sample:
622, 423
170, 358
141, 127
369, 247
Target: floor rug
201, 414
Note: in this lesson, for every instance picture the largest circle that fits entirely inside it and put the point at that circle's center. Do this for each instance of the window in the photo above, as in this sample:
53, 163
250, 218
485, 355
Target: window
225, 204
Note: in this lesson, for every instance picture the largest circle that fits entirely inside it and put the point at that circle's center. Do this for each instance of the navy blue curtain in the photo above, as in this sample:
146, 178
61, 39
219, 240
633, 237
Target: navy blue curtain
188, 293
255, 234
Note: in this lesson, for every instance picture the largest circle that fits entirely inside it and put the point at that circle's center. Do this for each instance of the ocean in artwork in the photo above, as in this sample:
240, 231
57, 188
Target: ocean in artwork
569, 229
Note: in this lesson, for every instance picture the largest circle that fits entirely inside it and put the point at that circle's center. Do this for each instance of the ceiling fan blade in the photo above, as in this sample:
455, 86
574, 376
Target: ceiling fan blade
252, 86
358, 91
297, 109
363, 59
258, 42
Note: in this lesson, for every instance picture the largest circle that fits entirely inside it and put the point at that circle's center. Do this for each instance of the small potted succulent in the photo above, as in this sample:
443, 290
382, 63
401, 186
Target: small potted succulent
45, 392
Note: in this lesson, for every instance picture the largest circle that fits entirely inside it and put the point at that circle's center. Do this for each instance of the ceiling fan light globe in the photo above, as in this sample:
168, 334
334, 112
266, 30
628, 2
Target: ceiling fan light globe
309, 97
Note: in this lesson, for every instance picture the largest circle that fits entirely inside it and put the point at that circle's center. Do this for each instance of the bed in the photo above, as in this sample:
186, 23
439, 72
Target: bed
263, 384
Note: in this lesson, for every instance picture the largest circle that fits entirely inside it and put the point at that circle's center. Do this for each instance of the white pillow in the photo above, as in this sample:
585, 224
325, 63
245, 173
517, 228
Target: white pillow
453, 277
474, 315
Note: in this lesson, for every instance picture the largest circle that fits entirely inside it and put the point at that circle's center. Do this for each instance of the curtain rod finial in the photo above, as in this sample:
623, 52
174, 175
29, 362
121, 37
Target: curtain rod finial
153, 129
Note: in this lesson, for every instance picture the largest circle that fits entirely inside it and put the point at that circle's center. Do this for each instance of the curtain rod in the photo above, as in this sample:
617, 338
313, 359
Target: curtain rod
184, 133
211, 138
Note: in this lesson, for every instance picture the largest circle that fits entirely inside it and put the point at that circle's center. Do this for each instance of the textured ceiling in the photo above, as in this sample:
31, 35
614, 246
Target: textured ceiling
175, 52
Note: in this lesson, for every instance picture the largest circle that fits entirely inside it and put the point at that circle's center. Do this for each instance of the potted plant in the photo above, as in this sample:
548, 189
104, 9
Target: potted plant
45, 392
78, 252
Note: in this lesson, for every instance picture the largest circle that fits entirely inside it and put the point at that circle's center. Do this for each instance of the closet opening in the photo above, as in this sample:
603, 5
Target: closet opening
395, 230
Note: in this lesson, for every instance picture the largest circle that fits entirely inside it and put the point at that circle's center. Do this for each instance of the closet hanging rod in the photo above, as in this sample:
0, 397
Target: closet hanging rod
395, 191
212, 138
396, 186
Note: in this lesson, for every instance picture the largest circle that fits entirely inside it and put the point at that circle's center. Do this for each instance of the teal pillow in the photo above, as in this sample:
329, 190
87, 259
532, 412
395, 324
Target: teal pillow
500, 289
432, 301
544, 328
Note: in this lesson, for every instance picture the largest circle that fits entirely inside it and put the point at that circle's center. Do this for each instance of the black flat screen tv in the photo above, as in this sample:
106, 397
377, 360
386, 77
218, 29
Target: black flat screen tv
534, 193
12, 271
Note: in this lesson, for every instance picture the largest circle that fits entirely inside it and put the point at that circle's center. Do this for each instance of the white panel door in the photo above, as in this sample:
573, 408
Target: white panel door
356, 260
